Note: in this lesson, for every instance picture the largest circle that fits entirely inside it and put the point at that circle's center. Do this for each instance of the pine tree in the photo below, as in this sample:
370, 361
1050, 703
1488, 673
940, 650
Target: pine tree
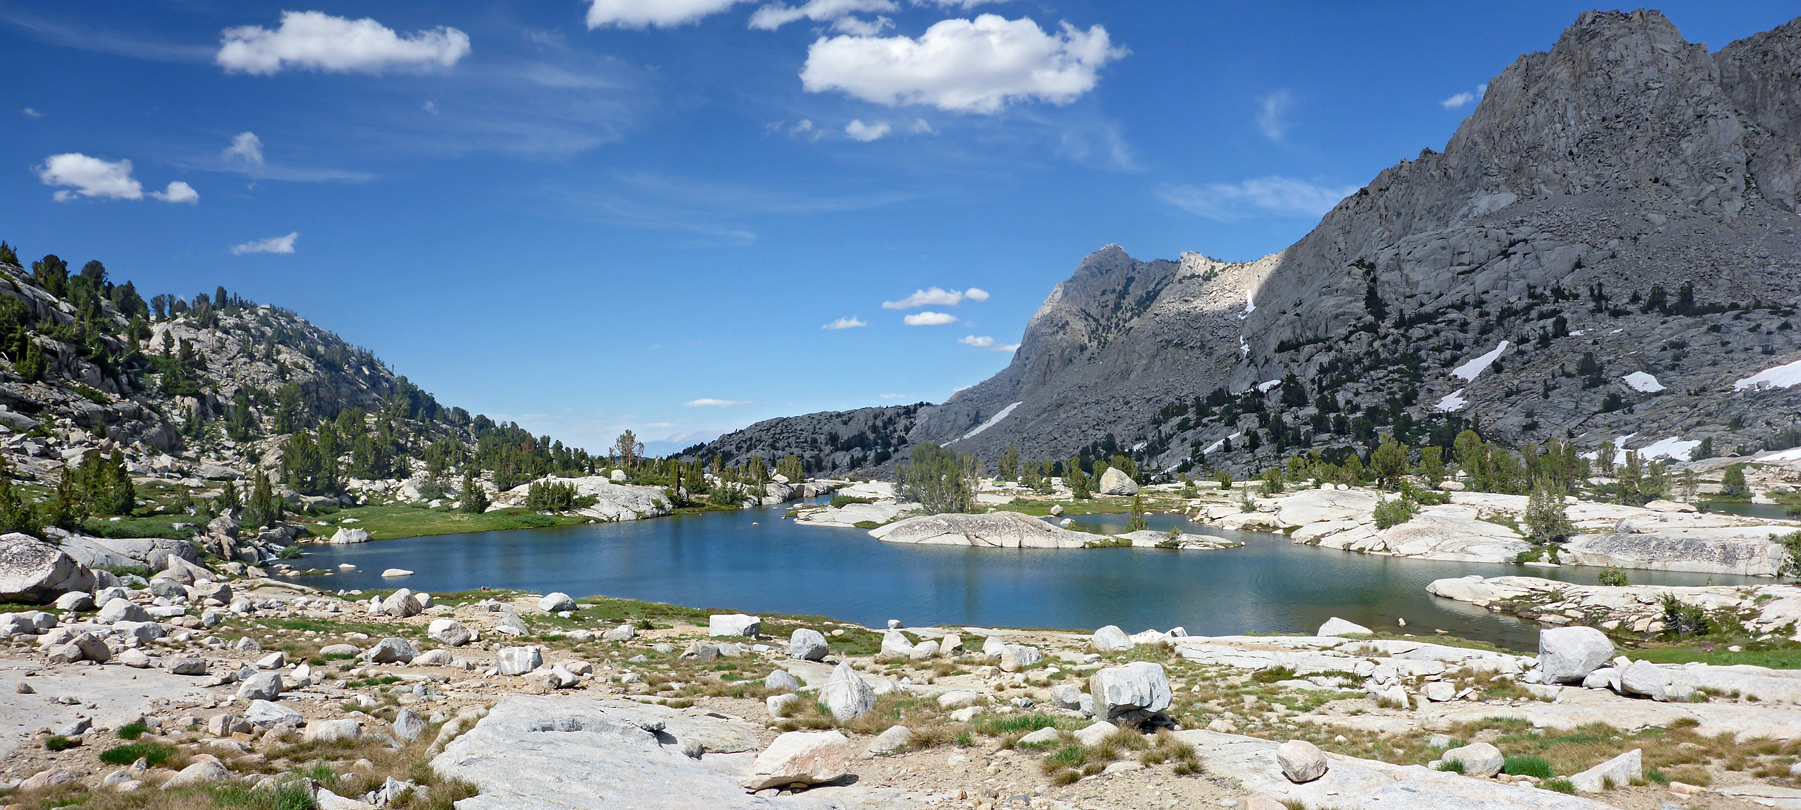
1137, 523
1733, 485
263, 509
15, 515
118, 496
1545, 518
63, 509
475, 498
229, 499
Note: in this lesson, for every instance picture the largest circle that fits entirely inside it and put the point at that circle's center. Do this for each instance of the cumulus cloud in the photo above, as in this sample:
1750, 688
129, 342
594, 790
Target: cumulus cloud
274, 244
315, 40
178, 192
859, 131
652, 13
245, 146
929, 319
1272, 115
937, 297
970, 66
1263, 196
709, 402
987, 343
84, 176
848, 322
776, 15
958, 3
1465, 98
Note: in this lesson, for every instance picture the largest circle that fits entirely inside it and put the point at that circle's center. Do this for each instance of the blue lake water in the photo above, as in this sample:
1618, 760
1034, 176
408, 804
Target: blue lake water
755, 561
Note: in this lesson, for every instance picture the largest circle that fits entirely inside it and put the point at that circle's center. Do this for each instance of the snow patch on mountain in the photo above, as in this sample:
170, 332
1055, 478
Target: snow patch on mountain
1469, 370
992, 421
1783, 376
1643, 383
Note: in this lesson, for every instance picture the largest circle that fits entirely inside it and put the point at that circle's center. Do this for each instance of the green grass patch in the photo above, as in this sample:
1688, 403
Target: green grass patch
57, 742
1000, 725
153, 754
1559, 786
291, 796
1785, 655
1527, 765
395, 522
141, 526
133, 730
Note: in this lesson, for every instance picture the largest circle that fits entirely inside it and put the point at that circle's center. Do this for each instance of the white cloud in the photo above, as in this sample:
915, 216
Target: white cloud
776, 15
937, 297
274, 244
247, 147
978, 66
648, 13
848, 322
858, 26
1464, 98
987, 343
178, 192
84, 176
1263, 196
90, 177
891, 396
1272, 115
318, 41
929, 319
714, 403
805, 129
859, 131
31, 113
957, 3
921, 127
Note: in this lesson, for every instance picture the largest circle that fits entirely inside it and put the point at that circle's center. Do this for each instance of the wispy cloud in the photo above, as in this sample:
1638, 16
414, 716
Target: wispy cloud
274, 244
81, 37
1261, 197
937, 297
714, 403
245, 147
31, 113
652, 13
987, 343
1272, 114
658, 202
929, 319
859, 131
848, 322
1464, 98
776, 15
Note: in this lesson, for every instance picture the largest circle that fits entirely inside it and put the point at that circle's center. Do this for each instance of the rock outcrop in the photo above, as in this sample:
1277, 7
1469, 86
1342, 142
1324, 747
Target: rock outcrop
992, 530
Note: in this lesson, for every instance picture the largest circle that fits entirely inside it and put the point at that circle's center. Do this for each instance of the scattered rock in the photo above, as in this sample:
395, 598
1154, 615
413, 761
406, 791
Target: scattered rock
1569, 654
1619, 772
1300, 761
1339, 627
1129, 693
800, 757
808, 645
733, 624
556, 602
1479, 760
1111, 639
846, 695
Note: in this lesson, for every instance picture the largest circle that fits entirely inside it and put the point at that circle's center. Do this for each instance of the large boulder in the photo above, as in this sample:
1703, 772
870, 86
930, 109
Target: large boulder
1480, 760
1129, 693
1645, 679
1115, 482
392, 651
733, 625
1301, 761
32, 570
1339, 627
808, 645
556, 602
1568, 654
128, 552
846, 695
1111, 639
803, 757
347, 536
1619, 772
519, 660
401, 604
449, 632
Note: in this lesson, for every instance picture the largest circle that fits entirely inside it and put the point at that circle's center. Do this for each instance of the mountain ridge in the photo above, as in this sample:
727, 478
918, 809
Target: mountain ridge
1622, 203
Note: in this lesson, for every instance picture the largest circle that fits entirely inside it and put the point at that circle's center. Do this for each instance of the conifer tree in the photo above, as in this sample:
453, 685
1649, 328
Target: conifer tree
15, 515
263, 509
63, 509
475, 498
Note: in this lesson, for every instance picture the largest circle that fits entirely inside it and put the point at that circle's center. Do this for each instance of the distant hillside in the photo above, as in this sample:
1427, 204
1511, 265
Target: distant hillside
1606, 250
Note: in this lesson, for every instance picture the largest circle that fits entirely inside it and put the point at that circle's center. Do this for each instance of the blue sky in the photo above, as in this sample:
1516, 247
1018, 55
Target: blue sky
598, 214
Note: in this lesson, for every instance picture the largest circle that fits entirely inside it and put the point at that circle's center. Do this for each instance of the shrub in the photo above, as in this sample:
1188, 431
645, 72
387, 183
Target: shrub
1612, 576
1394, 512
1791, 567
57, 742
133, 730
1733, 485
1683, 619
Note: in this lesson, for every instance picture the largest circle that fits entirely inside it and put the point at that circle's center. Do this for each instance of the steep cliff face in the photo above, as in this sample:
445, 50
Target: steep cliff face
1608, 246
